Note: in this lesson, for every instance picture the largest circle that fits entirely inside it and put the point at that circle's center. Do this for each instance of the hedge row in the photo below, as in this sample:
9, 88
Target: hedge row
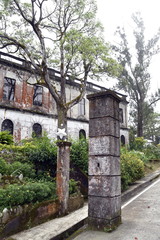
15, 194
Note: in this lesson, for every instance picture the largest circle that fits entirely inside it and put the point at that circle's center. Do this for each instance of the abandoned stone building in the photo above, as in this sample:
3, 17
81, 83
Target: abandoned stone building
26, 108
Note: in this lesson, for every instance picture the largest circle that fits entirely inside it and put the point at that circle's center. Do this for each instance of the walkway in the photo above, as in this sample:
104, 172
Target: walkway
141, 219
60, 228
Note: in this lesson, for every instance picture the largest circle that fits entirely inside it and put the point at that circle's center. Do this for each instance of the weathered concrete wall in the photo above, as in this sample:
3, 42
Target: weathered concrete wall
125, 132
123, 105
23, 217
104, 162
23, 123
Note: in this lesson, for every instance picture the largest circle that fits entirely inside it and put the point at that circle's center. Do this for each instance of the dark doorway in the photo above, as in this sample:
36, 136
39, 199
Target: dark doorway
122, 140
82, 134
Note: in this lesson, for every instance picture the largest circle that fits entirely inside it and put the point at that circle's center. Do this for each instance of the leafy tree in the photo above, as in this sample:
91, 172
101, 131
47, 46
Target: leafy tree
69, 28
151, 122
152, 125
61, 34
135, 77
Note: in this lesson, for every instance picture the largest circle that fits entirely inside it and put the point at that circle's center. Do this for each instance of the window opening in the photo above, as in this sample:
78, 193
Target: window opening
123, 140
9, 89
7, 125
121, 115
82, 107
37, 130
82, 134
37, 96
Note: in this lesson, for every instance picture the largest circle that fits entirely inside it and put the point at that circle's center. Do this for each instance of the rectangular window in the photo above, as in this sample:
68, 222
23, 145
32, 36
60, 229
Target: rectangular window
121, 115
9, 89
82, 107
37, 96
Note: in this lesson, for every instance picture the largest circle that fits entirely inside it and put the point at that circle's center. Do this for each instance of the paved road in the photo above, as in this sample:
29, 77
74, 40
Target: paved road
140, 219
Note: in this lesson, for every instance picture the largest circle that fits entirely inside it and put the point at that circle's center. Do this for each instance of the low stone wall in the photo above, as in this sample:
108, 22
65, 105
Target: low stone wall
23, 217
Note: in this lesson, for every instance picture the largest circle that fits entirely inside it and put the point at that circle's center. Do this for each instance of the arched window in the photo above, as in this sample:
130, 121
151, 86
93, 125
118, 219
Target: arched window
82, 134
7, 125
122, 139
37, 130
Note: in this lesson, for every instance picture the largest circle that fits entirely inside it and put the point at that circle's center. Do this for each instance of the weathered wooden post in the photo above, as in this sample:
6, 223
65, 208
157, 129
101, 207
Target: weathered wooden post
104, 162
63, 168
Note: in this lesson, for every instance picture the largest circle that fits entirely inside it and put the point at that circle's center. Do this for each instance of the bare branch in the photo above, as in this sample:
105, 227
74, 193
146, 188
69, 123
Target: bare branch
22, 12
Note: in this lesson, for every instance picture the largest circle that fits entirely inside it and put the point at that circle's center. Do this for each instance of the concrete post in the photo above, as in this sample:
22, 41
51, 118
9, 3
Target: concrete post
62, 178
104, 162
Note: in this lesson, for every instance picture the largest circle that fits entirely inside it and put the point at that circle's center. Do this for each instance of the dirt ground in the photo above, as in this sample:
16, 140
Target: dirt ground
152, 166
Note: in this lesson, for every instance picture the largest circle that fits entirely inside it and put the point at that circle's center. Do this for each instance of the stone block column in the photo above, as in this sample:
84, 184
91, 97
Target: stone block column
104, 195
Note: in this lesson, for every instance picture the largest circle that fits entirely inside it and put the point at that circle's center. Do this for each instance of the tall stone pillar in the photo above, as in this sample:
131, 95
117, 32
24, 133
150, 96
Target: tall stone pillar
104, 162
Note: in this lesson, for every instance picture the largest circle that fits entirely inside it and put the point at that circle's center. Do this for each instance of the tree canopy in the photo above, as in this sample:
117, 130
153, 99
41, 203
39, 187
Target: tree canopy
63, 35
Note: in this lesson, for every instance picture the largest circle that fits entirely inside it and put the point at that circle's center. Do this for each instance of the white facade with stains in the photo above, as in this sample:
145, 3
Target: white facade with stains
25, 108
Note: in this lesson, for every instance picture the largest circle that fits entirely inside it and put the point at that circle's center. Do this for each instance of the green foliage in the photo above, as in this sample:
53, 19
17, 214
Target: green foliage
73, 187
39, 153
132, 168
152, 152
3, 166
79, 154
138, 144
16, 168
6, 138
151, 122
15, 152
43, 155
30, 192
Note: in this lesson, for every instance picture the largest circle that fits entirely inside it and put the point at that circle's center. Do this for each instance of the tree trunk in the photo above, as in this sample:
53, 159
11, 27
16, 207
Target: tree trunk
63, 163
62, 117
140, 120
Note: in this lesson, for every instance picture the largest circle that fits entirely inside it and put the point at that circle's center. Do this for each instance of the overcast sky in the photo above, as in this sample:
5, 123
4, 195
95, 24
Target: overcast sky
113, 13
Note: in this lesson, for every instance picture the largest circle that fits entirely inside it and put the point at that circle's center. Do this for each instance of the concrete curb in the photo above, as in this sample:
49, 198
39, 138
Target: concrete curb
139, 186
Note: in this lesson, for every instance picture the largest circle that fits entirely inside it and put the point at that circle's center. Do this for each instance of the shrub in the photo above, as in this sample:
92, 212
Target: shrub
43, 155
73, 187
132, 168
79, 154
17, 168
15, 194
6, 138
3, 166
138, 143
152, 152
14, 153
40, 152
